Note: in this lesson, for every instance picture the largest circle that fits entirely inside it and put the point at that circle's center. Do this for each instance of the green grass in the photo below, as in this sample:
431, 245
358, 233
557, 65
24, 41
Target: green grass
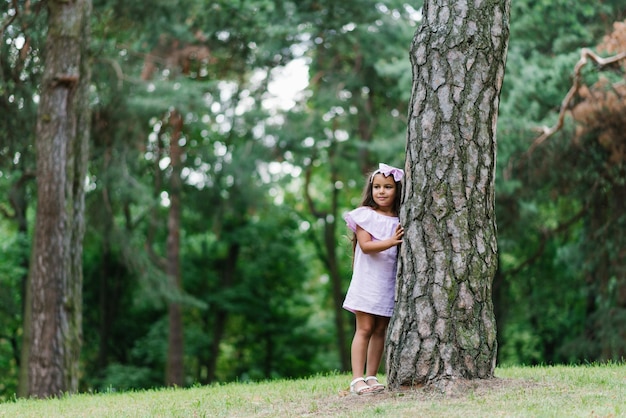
560, 391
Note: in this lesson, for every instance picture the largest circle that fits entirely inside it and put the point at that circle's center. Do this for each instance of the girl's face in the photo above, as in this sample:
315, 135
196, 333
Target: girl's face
383, 191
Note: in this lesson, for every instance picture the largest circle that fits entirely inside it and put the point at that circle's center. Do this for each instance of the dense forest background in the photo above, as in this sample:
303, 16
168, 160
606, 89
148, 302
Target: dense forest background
200, 91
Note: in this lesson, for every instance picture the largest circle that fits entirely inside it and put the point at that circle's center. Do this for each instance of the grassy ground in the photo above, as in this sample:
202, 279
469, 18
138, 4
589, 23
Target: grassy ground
584, 391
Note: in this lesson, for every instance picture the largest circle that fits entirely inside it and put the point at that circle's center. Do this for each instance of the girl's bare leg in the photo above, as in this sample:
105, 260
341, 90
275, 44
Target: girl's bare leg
376, 345
359, 351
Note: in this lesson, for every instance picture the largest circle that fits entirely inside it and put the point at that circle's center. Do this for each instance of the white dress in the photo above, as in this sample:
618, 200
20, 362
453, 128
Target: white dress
372, 288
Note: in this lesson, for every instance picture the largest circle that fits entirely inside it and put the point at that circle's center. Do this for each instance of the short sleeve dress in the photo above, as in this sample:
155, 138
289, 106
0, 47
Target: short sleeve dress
372, 289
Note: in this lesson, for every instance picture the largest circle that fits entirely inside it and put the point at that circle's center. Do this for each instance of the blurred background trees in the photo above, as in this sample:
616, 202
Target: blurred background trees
193, 109
560, 287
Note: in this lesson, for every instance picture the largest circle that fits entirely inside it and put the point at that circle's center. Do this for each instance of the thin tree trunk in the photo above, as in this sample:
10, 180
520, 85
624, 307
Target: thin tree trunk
327, 252
606, 323
105, 275
227, 281
330, 242
53, 321
175, 367
214, 350
443, 327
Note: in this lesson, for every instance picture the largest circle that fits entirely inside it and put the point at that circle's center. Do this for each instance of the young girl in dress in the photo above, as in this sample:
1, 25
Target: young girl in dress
372, 289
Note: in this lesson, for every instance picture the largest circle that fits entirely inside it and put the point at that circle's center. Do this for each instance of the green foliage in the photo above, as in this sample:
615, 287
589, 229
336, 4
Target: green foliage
265, 303
20, 72
14, 249
552, 255
554, 27
225, 199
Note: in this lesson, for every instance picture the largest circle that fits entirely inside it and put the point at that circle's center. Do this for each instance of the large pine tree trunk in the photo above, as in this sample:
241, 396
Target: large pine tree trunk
443, 327
53, 318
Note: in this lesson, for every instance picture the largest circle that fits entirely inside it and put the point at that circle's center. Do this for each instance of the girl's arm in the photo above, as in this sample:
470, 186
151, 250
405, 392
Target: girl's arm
369, 246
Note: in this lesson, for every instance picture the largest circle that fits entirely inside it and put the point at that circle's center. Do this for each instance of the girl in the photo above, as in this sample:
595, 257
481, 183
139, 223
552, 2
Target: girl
371, 293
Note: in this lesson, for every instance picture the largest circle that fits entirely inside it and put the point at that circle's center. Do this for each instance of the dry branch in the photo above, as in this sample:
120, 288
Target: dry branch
586, 55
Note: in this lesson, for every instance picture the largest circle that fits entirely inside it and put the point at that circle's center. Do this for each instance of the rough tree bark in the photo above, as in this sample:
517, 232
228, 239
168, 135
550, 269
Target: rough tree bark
443, 328
53, 317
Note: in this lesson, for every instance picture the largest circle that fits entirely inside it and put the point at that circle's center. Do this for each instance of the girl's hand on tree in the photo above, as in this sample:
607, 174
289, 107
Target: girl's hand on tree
396, 238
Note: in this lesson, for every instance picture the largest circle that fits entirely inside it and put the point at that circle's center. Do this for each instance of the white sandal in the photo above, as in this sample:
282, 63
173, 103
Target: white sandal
376, 387
363, 391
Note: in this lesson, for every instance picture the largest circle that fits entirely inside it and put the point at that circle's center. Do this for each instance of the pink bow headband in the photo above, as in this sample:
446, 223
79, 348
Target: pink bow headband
388, 170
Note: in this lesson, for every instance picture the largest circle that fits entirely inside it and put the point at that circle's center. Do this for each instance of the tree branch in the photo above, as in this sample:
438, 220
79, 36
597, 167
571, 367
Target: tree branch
10, 19
585, 55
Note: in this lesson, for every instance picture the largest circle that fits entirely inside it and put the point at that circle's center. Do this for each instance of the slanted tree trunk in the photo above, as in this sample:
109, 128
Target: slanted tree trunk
443, 327
53, 317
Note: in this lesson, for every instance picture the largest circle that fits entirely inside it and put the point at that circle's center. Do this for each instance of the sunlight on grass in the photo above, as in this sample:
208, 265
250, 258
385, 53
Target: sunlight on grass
584, 391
